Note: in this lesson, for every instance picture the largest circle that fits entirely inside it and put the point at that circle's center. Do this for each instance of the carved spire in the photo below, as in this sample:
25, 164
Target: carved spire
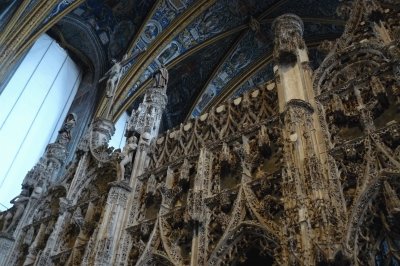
146, 119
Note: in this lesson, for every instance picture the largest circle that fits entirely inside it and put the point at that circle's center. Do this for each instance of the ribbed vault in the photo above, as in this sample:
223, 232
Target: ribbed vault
213, 49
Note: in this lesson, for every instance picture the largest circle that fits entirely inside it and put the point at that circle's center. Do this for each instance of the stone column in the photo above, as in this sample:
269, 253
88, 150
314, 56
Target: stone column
31, 257
6, 243
52, 243
112, 223
198, 213
305, 173
144, 122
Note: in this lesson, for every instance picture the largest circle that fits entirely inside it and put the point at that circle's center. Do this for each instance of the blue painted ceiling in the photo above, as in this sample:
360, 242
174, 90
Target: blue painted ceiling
203, 75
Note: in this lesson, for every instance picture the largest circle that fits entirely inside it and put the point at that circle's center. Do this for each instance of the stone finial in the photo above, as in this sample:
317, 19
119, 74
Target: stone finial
146, 118
288, 31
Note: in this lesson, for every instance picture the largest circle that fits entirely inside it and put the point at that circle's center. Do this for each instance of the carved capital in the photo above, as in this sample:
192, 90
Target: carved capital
103, 130
288, 31
101, 133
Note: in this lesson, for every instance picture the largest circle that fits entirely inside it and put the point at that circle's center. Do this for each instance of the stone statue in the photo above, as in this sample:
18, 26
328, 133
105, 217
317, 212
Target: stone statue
64, 134
151, 185
114, 76
115, 73
127, 154
161, 78
19, 202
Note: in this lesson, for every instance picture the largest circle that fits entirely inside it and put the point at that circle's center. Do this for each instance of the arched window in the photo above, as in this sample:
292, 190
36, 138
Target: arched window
33, 106
118, 139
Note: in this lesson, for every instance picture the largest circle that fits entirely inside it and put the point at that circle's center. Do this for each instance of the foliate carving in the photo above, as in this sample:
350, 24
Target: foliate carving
288, 31
145, 120
314, 184
101, 132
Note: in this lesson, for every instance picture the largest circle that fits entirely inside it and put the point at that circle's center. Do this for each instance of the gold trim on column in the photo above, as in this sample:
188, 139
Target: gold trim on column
24, 26
157, 46
268, 11
46, 27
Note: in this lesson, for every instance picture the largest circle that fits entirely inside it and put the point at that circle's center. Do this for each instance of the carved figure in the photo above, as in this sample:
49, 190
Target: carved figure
114, 75
127, 155
64, 134
313, 189
161, 78
19, 202
152, 185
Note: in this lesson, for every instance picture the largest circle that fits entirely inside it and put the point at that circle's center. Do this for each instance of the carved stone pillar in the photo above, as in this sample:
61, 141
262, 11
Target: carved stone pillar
111, 223
53, 242
6, 243
79, 178
197, 212
43, 175
30, 259
376, 16
145, 122
305, 173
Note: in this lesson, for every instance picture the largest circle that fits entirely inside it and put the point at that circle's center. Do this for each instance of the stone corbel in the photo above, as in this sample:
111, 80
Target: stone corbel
100, 134
65, 204
169, 196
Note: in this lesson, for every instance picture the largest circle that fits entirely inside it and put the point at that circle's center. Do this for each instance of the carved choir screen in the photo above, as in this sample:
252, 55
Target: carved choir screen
304, 170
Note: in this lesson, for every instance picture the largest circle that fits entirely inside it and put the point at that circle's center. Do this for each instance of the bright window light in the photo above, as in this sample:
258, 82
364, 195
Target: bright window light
33, 106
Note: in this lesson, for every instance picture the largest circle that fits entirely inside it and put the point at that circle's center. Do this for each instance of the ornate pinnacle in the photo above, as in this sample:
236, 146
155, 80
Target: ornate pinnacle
288, 31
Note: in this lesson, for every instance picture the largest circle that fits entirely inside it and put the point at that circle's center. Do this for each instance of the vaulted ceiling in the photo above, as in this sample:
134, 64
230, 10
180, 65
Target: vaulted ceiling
214, 49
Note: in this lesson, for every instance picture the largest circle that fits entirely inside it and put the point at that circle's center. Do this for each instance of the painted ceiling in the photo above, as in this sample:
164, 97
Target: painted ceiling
214, 49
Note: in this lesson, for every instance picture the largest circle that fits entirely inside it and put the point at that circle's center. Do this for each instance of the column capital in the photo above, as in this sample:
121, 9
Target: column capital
288, 37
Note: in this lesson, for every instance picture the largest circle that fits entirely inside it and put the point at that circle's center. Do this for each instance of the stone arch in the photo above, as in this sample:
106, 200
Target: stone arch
84, 184
362, 205
86, 49
84, 46
377, 235
335, 63
241, 239
156, 259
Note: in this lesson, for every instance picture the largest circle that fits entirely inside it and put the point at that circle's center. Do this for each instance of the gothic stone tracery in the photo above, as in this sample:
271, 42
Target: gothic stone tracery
305, 172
